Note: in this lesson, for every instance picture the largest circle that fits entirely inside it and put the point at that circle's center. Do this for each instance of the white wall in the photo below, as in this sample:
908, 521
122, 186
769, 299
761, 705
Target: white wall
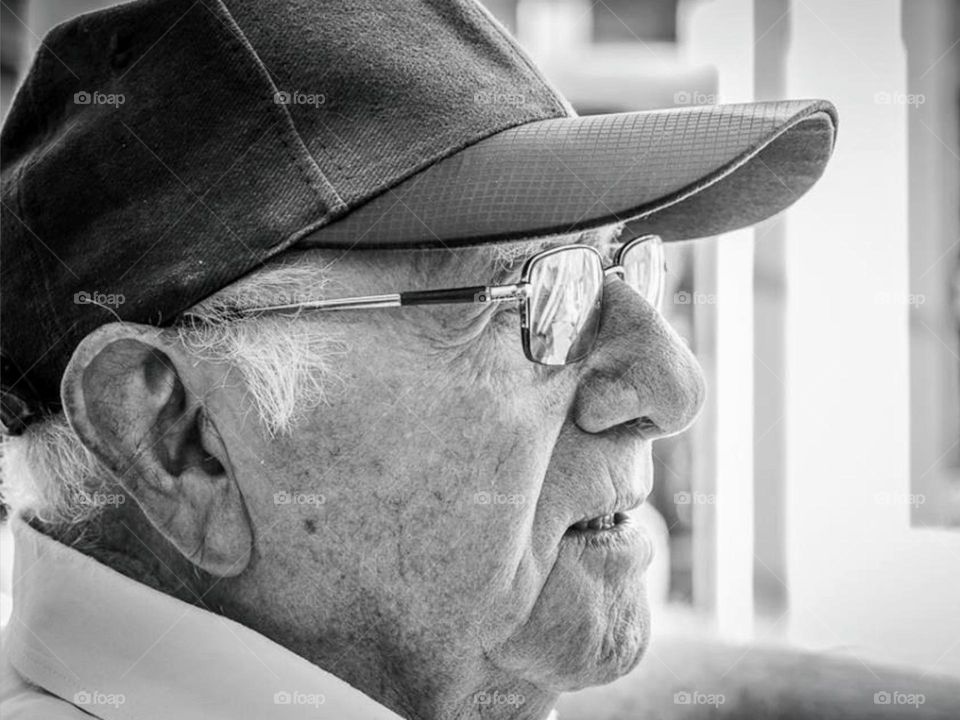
859, 575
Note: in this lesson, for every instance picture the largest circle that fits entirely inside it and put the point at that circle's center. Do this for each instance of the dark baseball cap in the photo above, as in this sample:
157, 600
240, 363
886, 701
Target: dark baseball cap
158, 151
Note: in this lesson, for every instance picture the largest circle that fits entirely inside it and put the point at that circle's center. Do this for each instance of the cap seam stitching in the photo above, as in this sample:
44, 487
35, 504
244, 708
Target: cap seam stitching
515, 48
279, 113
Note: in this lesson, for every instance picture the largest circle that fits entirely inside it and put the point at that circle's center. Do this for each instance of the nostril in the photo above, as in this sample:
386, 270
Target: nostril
643, 426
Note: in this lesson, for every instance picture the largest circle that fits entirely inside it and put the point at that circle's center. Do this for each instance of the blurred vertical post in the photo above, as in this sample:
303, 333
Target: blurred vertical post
721, 33
771, 27
931, 31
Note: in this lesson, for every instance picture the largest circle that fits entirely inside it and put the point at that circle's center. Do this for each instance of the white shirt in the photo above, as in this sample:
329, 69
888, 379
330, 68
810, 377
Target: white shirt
86, 640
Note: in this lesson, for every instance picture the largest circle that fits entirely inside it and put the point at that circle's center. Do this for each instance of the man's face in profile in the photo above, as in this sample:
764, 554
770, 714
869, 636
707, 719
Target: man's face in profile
455, 512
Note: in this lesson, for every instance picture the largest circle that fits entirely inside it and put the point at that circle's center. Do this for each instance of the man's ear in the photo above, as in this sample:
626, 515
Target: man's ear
134, 400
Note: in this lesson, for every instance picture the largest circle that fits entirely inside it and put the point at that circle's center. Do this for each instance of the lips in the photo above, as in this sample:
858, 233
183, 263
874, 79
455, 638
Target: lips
616, 534
599, 523
608, 517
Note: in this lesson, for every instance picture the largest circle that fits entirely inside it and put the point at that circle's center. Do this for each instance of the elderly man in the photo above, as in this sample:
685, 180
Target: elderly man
332, 359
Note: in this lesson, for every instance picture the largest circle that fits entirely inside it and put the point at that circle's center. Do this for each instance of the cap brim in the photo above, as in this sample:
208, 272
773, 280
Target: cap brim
682, 173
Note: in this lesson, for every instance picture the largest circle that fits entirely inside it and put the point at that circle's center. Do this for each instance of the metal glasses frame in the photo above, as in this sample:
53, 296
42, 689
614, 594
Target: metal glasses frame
474, 294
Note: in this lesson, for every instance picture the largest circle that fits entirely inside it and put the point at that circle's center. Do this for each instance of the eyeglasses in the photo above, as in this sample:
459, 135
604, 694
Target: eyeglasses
560, 294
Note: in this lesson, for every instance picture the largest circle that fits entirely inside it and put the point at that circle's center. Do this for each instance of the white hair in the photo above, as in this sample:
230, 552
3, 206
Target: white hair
285, 365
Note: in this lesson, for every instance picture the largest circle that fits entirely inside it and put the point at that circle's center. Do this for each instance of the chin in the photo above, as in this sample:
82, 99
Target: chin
614, 651
568, 645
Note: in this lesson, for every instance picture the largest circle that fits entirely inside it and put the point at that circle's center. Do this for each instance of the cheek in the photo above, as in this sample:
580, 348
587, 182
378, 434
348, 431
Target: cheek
470, 494
431, 475
455, 488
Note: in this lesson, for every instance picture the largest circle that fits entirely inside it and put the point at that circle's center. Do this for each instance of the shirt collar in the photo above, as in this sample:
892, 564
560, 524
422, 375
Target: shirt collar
119, 649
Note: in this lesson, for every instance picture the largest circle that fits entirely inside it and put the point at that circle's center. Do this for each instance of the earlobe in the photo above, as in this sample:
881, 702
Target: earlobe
135, 403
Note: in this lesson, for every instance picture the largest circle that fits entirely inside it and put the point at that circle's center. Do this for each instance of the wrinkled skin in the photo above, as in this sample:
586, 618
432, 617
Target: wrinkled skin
426, 560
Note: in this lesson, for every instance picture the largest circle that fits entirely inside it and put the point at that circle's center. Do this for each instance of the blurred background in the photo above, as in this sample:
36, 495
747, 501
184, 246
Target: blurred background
816, 503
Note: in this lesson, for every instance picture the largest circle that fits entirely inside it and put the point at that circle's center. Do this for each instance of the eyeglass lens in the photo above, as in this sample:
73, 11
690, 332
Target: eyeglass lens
563, 311
564, 308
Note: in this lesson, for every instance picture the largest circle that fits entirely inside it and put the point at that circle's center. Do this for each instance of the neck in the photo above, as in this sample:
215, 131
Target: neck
422, 686
416, 697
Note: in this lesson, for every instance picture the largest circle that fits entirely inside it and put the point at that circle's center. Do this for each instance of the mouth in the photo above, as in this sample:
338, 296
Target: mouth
599, 524
606, 516
617, 531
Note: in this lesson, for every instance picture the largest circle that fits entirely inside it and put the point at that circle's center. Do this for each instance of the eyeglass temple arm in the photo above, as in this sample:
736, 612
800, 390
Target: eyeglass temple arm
474, 294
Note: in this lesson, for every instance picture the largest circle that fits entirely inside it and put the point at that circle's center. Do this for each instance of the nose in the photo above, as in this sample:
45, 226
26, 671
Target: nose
640, 371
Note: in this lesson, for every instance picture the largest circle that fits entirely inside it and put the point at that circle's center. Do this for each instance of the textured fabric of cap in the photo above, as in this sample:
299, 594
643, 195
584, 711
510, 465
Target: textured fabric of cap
161, 149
